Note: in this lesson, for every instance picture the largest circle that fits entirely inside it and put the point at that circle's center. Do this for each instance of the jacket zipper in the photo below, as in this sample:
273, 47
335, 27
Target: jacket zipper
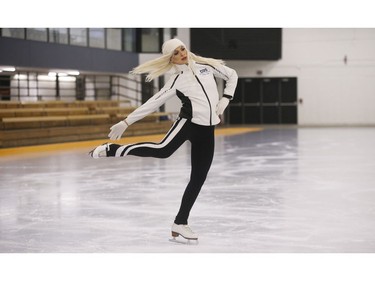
209, 103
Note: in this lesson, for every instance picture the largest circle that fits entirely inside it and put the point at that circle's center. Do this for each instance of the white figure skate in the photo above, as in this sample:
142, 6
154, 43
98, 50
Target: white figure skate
100, 151
185, 232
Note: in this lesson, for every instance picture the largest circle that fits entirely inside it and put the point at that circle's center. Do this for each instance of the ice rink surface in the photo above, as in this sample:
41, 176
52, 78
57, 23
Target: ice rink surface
280, 190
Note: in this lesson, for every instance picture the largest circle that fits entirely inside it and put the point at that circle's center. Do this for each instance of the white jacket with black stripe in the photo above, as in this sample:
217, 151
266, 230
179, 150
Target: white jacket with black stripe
197, 92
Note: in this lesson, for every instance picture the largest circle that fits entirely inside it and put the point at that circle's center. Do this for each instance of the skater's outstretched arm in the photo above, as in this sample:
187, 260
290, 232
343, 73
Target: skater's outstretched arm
147, 108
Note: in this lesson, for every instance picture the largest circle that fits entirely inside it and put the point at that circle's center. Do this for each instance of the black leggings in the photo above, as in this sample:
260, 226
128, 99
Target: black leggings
202, 152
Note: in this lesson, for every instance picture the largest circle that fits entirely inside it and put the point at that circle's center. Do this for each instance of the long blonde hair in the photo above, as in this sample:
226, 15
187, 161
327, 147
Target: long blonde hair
163, 64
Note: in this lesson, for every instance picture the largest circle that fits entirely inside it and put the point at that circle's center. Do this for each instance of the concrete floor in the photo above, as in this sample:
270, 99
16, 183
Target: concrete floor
280, 190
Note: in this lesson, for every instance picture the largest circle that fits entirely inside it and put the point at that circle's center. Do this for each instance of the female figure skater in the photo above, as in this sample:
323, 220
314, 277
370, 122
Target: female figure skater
194, 84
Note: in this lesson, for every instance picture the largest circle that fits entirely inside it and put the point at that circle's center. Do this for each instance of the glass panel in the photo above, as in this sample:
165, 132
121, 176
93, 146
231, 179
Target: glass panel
13, 32
46, 86
167, 34
58, 35
78, 36
150, 40
97, 37
129, 39
38, 34
114, 39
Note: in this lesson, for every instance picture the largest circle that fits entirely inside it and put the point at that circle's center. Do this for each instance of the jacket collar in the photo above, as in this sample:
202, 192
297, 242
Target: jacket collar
182, 67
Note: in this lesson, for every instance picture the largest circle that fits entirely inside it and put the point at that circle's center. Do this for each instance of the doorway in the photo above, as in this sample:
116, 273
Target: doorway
4, 87
264, 101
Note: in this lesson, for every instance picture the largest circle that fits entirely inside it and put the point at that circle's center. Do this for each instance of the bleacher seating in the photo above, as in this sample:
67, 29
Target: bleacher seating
35, 123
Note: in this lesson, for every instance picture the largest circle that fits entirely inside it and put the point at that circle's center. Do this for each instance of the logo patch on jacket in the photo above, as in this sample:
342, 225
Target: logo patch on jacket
204, 71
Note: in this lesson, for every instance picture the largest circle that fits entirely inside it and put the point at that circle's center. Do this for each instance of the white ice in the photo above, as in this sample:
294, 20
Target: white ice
291, 190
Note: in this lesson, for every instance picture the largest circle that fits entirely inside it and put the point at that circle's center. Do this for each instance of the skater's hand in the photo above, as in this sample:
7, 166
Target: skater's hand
117, 130
222, 105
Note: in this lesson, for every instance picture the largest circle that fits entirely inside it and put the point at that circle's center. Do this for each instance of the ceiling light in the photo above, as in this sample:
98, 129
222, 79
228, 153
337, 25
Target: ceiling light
8, 68
75, 73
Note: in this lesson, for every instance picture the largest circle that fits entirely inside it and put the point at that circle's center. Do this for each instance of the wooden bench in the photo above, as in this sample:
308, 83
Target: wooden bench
9, 104
153, 117
49, 104
30, 112
12, 123
94, 104
114, 110
51, 122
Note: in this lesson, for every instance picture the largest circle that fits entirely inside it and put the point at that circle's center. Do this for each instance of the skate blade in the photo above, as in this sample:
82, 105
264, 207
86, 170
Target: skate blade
184, 241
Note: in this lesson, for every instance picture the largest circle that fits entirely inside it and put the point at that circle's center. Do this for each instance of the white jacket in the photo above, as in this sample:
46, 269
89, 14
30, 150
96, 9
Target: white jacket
197, 92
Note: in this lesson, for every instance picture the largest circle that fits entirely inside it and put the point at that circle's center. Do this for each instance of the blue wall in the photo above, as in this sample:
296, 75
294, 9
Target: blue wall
34, 54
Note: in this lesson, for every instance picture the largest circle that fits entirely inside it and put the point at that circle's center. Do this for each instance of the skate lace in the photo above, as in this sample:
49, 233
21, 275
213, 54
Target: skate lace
188, 228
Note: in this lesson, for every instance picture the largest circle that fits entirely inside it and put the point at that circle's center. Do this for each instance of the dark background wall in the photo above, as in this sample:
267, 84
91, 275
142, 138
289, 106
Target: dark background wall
237, 43
27, 53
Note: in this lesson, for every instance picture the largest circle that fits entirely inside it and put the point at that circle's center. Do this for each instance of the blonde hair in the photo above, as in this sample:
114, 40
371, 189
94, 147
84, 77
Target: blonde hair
163, 64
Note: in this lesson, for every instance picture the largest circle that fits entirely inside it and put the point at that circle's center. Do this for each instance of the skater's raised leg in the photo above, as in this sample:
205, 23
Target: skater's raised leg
175, 137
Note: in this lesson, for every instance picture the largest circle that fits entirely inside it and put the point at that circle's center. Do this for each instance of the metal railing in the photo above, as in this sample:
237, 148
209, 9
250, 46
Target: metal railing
39, 86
